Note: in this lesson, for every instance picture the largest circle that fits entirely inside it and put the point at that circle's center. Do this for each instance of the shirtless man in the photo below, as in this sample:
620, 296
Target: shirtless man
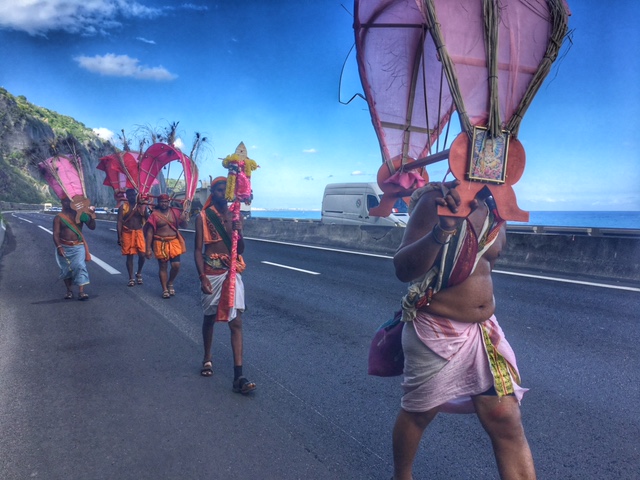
131, 218
163, 239
214, 230
451, 332
72, 252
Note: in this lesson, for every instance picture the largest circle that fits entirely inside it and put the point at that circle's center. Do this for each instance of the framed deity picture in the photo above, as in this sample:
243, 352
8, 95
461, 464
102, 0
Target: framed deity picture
488, 159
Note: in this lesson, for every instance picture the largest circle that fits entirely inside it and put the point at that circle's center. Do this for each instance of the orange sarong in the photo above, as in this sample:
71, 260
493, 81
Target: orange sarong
167, 248
132, 242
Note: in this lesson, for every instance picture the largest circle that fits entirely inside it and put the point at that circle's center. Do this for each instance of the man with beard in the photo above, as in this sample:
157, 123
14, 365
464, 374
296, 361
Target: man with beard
214, 230
163, 239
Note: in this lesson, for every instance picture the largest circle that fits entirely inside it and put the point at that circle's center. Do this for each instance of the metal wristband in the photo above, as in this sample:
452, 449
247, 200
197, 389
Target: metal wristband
435, 235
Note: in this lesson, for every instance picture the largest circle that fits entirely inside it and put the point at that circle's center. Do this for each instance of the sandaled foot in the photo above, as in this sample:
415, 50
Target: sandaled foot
207, 369
139, 278
166, 294
83, 296
131, 283
172, 292
68, 296
244, 386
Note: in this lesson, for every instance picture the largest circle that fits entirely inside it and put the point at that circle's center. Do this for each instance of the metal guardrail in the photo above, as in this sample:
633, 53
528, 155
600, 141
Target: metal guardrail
583, 231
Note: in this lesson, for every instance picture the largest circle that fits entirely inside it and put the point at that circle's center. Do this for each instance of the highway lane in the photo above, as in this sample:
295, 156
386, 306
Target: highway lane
91, 392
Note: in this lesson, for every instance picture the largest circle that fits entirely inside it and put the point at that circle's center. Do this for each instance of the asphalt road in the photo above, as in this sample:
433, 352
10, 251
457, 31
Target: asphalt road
110, 388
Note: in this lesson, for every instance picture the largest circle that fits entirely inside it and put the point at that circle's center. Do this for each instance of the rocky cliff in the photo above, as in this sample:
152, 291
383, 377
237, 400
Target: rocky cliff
26, 134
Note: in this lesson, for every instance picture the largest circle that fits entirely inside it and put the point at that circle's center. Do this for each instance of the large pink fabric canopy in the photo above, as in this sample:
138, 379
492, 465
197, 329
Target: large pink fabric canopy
421, 60
401, 45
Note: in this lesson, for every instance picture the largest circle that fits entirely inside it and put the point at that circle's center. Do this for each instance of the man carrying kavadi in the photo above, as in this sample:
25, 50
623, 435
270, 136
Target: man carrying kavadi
72, 251
132, 216
163, 239
213, 246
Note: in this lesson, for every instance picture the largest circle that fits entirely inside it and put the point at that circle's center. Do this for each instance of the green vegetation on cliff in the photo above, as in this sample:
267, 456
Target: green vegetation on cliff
27, 134
62, 125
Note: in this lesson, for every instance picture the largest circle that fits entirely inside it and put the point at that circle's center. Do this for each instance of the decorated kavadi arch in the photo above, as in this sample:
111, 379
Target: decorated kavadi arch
424, 62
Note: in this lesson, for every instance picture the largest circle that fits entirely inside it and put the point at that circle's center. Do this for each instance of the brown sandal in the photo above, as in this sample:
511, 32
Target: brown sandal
166, 294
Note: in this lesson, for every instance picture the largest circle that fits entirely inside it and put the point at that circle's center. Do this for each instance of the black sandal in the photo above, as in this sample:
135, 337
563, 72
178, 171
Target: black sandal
243, 386
68, 296
83, 296
207, 368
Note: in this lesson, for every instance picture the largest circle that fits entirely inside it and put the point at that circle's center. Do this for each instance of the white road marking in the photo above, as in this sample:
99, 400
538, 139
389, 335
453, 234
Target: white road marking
290, 268
565, 280
23, 219
104, 265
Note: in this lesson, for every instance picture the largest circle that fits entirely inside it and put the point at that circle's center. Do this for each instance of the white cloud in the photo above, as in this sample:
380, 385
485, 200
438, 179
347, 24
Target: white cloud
104, 133
142, 39
310, 150
357, 172
87, 17
197, 8
123, 66
179, 144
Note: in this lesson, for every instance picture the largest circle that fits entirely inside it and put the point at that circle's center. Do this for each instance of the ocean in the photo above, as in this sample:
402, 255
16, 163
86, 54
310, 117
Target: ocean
629, 220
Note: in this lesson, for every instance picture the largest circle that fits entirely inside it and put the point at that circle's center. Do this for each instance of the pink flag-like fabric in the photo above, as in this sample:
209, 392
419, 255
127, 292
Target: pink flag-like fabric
153, 160
63, 176
121, 170
403, 82
190, 177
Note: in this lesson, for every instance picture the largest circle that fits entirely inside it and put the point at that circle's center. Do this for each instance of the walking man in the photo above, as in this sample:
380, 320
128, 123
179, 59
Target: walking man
72, 251
164, 240
457, 359
214, 230
131, 218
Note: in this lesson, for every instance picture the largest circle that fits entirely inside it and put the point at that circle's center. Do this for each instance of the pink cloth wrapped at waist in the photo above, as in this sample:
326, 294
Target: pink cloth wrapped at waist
447, 362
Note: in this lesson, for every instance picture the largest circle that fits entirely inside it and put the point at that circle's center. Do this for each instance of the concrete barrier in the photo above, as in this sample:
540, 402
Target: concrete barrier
606, 257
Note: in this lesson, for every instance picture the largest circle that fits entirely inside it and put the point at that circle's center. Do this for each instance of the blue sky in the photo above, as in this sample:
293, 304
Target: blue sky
268, 73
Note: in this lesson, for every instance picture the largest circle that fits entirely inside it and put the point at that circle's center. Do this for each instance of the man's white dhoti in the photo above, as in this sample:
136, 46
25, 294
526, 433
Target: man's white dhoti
210, 302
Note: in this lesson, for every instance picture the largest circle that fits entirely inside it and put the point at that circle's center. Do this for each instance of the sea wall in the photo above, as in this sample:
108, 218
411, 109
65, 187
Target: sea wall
574, 252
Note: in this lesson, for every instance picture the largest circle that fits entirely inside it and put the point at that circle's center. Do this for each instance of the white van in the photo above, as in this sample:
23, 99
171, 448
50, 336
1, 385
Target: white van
349, 204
